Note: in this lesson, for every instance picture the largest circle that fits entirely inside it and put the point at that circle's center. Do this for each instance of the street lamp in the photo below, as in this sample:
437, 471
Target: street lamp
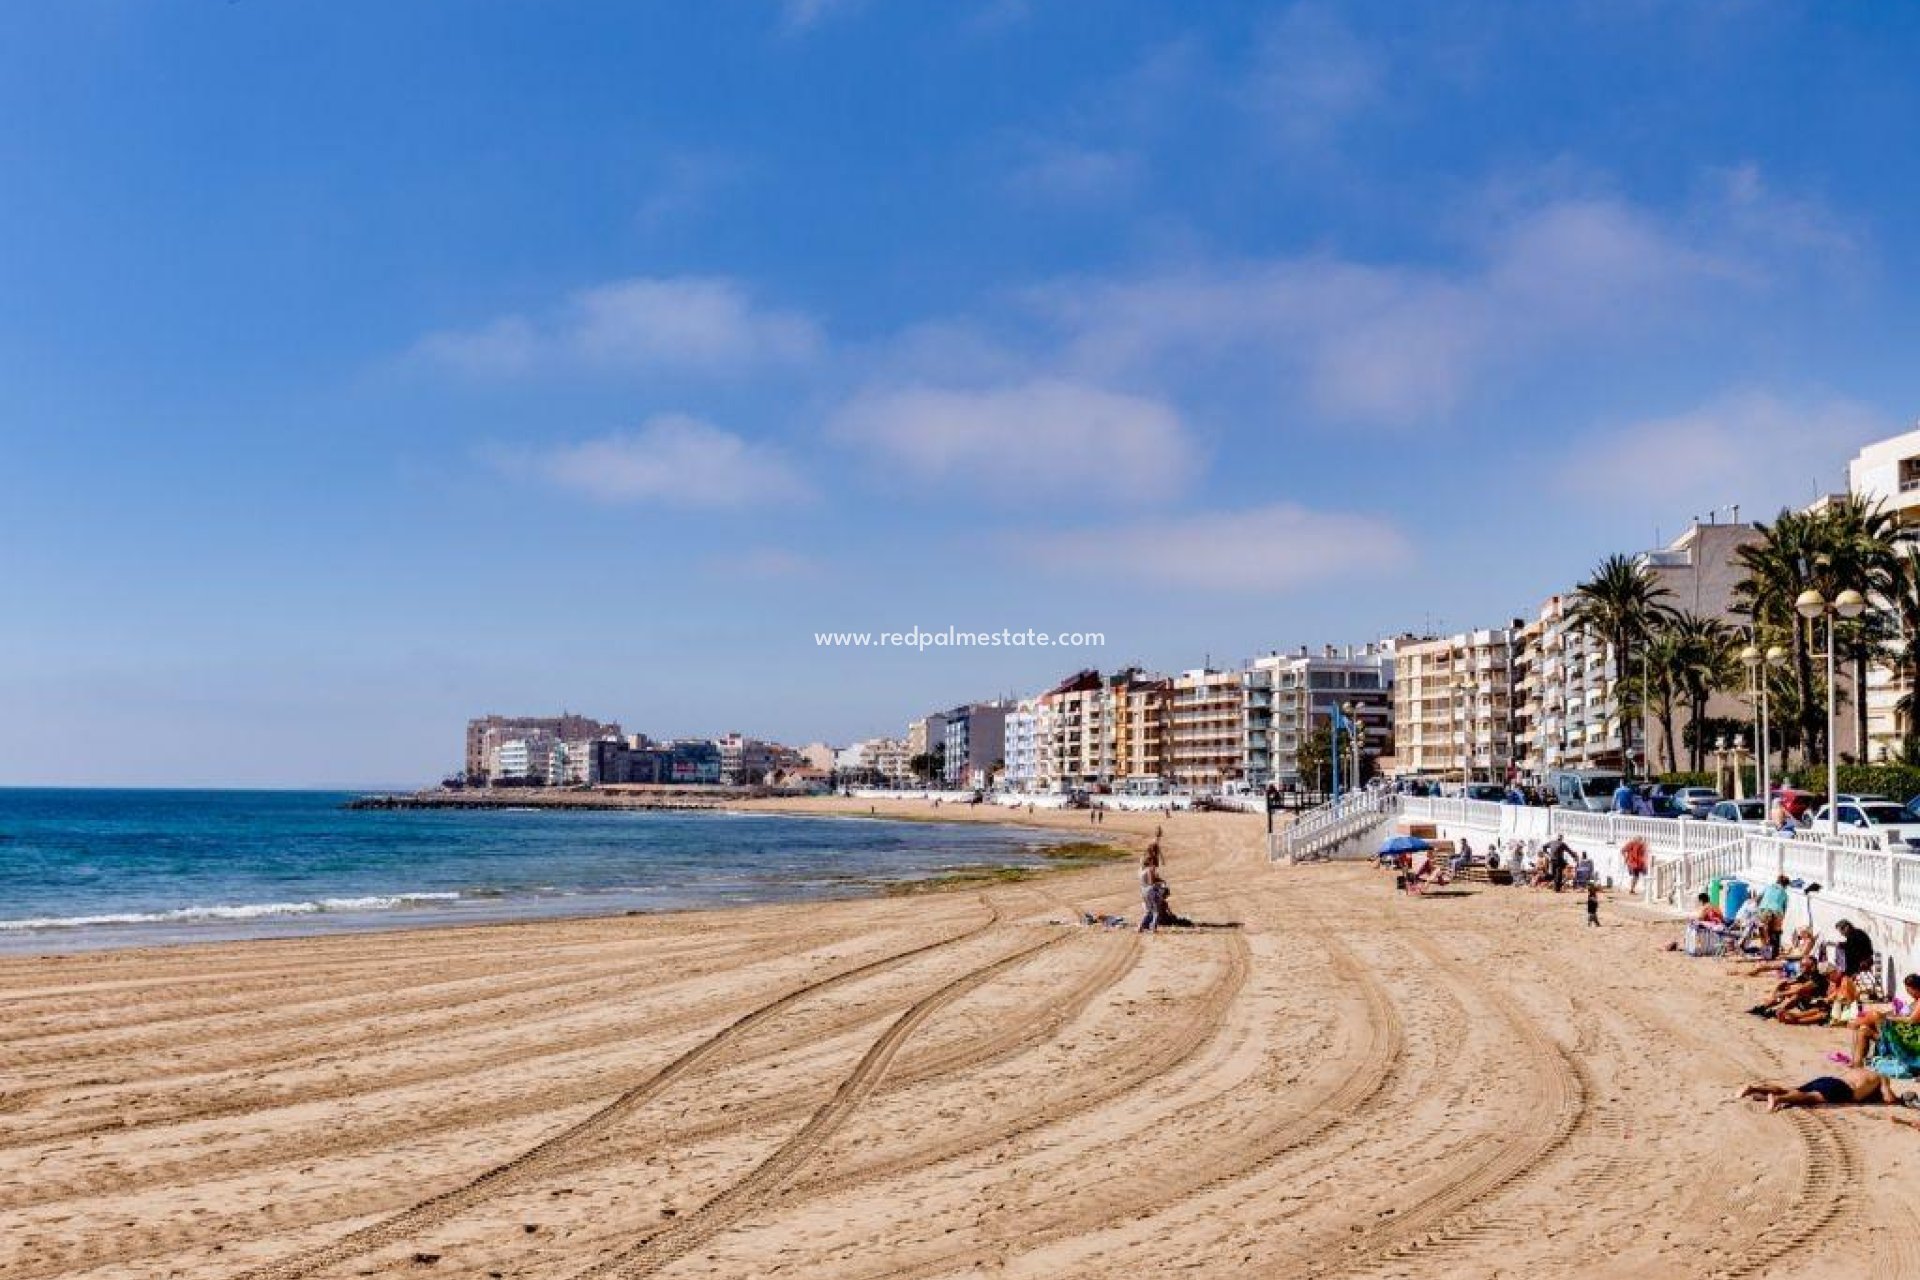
1760, 665
1810, 605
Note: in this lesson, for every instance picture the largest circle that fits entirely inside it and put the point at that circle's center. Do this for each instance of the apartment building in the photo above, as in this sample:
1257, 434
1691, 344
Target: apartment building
1029, 759
1286, 696
976, 741
926, 735
1138, 705
1453, 705
1078, 751
1887, 472
486, 734
1205, 729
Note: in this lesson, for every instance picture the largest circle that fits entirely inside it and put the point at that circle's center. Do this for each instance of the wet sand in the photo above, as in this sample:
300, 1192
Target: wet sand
944, 1084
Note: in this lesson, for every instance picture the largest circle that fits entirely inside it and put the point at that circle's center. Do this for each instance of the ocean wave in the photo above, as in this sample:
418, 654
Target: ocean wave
241, 911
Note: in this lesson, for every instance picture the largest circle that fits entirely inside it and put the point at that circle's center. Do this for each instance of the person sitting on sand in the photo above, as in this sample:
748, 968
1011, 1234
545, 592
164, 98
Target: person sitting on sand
1799, 951
1796, 999
1838, 1003
1857, 1085
1897, 1033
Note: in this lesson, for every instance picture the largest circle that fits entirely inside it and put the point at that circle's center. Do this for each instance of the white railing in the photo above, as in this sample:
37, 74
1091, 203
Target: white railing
1687, 854
1321, 830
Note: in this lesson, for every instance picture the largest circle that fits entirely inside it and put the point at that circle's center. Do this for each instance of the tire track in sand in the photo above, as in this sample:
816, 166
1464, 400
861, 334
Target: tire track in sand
766, 1179
540, 1157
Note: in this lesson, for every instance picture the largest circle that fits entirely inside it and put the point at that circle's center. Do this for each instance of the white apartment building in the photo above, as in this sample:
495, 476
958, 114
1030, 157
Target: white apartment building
1029, 759
1888, 472
1205, 729
1286, 695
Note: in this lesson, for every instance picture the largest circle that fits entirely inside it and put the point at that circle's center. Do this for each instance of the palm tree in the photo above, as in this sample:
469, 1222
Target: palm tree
1623, 601
1856, 552
1778, 567
1656, 688
1705, 662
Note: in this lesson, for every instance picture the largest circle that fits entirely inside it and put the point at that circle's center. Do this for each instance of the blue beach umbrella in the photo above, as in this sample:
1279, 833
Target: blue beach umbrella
1404, 844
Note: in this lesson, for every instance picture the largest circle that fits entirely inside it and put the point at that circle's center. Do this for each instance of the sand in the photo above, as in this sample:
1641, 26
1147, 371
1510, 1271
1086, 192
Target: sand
1349, 1084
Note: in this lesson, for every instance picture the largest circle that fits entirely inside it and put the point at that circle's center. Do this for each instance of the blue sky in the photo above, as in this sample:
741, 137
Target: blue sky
363, 367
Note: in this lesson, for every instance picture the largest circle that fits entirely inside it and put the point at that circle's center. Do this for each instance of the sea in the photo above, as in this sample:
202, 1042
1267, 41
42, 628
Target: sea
94, 868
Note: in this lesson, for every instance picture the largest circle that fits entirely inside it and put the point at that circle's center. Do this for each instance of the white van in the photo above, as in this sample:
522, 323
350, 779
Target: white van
1588, 789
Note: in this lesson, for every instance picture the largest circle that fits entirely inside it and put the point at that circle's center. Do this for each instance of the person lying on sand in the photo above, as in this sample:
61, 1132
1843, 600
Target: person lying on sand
1851, 1085
1795, 997
1797, 954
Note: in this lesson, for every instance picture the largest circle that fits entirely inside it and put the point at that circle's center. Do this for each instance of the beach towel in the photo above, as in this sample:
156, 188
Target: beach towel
1896, 1054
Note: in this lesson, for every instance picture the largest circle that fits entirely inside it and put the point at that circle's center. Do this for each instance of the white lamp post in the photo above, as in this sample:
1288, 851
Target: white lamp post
1810, 605
1760, 666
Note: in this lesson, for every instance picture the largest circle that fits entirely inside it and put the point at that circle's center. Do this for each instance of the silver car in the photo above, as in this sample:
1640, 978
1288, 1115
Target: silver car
1898, 829
1695, 802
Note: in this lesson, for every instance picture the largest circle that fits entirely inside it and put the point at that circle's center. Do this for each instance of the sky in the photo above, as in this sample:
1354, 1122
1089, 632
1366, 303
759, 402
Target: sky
364, 367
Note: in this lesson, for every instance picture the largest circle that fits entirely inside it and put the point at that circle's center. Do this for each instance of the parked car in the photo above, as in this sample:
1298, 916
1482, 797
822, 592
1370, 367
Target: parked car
1493, 791
1895, 826
1589, 789
1693, 802
1741, 811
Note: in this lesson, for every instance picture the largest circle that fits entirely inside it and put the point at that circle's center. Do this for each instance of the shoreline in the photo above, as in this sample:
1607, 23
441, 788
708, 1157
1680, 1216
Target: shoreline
229, 923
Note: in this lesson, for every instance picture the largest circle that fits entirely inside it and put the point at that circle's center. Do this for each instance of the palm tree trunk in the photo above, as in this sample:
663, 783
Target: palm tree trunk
1860, 705
1803, 685
1666, 732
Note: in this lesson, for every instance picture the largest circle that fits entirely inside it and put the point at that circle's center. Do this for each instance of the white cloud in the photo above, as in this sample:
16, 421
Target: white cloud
799, 15
1399, 344
1076, 175
696, 323
672, 460
1311, 74
1754, 447
765, 563
1270, 548
1037, 438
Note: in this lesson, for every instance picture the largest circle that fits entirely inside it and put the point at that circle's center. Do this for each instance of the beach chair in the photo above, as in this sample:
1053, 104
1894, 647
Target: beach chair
1704, 939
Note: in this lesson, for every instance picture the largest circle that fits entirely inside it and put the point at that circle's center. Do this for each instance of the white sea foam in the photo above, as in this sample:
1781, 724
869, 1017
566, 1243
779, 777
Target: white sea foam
241, 911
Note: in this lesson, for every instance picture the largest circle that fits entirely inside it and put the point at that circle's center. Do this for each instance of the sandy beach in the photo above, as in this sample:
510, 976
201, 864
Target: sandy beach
1348, 1083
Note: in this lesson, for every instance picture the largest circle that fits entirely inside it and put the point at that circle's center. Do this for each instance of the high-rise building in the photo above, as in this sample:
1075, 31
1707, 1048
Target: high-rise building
1887, 474
976, 742
1286, 697
1453, 706
1205, 728
1138, 704
486, 733
1077, 754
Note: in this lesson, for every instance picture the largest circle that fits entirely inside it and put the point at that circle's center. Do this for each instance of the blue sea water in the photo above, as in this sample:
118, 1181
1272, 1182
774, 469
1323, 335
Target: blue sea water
102, 868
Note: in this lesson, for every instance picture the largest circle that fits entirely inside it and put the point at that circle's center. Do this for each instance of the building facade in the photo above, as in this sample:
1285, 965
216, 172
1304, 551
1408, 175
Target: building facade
1286, 697
1453, 706
485, 734
1205, 729
976, 741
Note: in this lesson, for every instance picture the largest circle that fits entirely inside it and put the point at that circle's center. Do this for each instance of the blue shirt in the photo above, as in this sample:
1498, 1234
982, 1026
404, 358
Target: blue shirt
1774, 899
1623, 798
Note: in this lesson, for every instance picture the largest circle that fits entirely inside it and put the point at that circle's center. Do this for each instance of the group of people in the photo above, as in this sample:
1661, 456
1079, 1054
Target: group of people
1154, 894
1819, 984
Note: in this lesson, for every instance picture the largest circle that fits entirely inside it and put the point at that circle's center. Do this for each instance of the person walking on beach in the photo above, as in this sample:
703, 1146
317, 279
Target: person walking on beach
1634, 854
1559, 865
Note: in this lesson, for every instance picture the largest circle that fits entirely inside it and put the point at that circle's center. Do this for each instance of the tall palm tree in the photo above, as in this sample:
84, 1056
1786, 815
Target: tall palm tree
1856, 552
1657, 686
1778, 568
1623, 601
1705, 663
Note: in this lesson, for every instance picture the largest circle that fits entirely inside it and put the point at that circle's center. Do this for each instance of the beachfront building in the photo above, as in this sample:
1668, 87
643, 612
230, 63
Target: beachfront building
818, 757
487, 734
1078, 753
1453, 704
1567, 714
1285, 697
1137, 708
1029, 726
748, 761
976, 741
927, 736
1204, 729
1887, 473
872, 762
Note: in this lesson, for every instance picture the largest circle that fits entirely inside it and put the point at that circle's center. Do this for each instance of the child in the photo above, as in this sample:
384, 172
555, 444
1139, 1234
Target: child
1593, 905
